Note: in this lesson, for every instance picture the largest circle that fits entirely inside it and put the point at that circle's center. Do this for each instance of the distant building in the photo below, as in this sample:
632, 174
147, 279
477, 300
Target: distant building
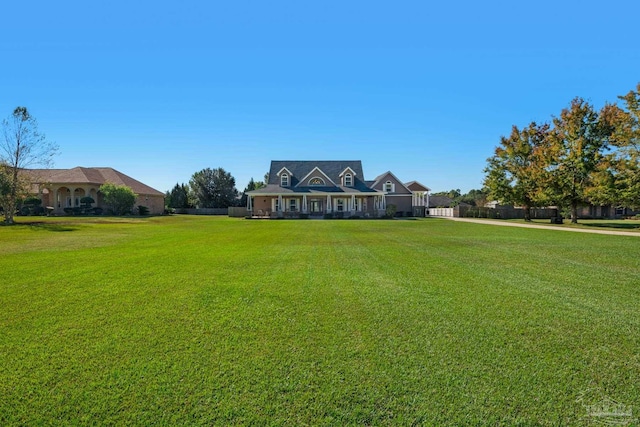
63, 188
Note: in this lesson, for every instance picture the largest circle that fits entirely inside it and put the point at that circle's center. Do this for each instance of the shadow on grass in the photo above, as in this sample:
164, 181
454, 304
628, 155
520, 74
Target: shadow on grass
625, 226
47, 226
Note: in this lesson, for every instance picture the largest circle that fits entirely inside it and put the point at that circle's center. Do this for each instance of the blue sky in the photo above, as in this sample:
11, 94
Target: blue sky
160, 90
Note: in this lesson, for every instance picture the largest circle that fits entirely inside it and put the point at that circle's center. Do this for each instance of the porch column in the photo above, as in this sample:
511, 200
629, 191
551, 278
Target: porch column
280, 203
304, 203
353, 204
328, 203
427, 205
249, 203
384, 202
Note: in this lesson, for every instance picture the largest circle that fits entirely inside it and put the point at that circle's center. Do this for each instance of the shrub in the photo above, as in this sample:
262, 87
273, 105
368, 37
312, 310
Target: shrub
390, 211
87, 202
328, 215
143, 210
304, 216
119, 198
32, 201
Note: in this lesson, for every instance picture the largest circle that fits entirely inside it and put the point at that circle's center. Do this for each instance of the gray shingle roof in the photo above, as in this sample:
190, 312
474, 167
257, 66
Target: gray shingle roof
301, 168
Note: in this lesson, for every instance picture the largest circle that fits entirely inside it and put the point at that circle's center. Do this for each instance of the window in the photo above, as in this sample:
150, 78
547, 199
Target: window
316, 181
340, 205
284, 180
348, 180
388, 187
292, 205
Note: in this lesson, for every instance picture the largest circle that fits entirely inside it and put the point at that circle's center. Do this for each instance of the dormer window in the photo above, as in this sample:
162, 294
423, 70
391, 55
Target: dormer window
348, 180
388, 187
284, 180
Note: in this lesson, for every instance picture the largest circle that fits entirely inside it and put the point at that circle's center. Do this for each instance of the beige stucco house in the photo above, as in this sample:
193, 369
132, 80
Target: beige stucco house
337, 187
63, 188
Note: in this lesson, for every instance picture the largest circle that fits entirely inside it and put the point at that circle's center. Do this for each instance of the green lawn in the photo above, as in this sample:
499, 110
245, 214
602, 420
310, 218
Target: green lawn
193, 320
593, 224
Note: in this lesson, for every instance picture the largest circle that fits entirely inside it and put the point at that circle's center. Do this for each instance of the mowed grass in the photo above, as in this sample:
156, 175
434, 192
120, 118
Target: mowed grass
593, 224
216, 321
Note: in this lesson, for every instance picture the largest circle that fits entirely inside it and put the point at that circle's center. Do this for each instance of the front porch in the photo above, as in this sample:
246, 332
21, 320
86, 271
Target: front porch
316, 206
63, 199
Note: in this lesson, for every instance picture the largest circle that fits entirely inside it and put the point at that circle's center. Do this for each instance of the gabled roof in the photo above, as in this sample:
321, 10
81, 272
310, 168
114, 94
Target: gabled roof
284, 169
416, 186
301, 168
316, 172
440, 201
348, 169
97, 176
388, 173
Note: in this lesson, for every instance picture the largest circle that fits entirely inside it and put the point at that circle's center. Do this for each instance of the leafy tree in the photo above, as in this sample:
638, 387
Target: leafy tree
452, 194
214, 188
618, 179
178, 197
514, 174
22, 147
5, 184
252, 185
576, 150
475, 197
119, 198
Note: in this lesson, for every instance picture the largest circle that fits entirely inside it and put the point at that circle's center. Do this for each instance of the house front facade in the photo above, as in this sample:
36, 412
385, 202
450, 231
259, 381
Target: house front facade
316, 188
63, 189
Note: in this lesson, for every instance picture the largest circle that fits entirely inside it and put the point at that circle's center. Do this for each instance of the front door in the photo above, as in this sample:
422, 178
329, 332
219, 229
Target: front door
315, 206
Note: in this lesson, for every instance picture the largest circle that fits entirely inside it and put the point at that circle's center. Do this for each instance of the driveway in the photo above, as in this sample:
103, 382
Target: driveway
544, 227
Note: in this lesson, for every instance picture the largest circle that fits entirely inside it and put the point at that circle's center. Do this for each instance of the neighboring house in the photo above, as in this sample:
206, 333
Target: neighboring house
440, 202
316, 188
63, 188
606, 211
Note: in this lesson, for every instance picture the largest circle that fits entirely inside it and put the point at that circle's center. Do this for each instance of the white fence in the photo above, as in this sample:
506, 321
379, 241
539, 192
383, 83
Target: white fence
441, 212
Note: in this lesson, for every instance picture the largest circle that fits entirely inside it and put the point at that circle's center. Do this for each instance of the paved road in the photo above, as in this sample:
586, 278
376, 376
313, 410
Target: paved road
545, 227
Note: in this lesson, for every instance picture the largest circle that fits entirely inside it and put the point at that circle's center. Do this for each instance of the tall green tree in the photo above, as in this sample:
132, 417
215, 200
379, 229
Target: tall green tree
514, 172
5, 185
119, 198
252, 185
577, 148
23, 146
618, 179
178, 197
214, 188
475, 197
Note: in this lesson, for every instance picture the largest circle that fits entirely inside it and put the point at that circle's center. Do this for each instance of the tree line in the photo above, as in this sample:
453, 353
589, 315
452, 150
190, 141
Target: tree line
582, 156
475, 197
209, 188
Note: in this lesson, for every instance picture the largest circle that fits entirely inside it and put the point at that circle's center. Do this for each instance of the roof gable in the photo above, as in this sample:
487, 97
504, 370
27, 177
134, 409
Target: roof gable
388, 176
348, 170
316, 172
416, 186
301, 168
